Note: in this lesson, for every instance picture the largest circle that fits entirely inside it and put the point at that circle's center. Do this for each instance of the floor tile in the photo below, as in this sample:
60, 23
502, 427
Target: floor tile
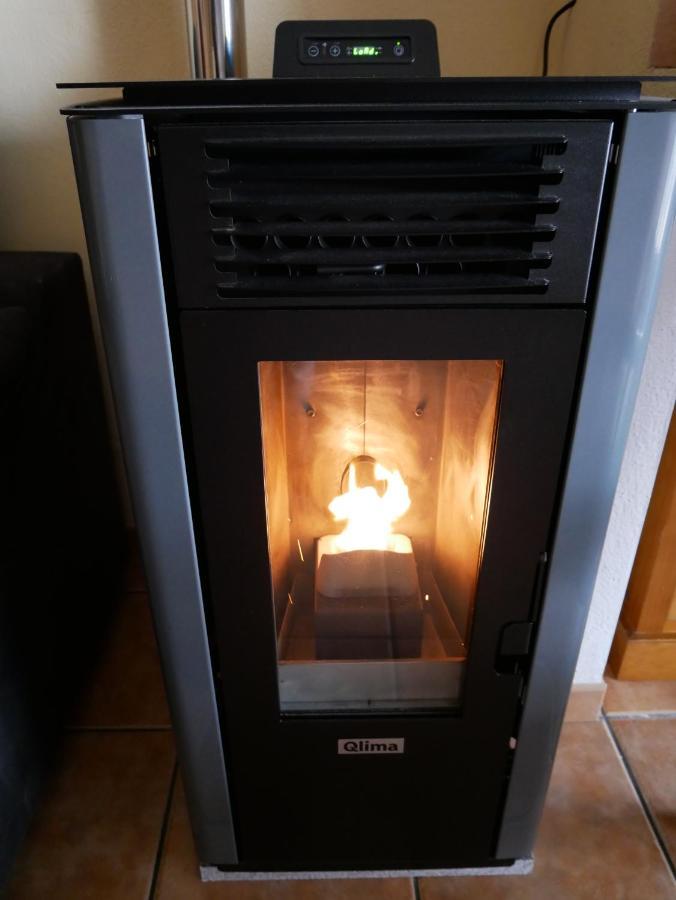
126, 689
95, 836
594, 841
639, 696
179, 879
650, 748
584, 703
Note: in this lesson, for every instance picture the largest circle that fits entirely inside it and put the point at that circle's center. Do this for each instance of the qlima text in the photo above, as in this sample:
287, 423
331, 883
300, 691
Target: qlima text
370, 745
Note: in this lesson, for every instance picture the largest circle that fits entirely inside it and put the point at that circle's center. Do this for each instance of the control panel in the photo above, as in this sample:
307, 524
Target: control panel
355, 51
391, 48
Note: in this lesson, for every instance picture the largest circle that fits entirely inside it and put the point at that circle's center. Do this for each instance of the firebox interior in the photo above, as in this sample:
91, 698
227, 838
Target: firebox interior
377, 481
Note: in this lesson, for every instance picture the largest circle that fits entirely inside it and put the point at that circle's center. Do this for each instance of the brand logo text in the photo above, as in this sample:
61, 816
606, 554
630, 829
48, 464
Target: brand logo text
354, 746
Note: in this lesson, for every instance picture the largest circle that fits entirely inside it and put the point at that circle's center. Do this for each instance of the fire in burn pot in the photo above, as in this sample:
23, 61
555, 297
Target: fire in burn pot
367, 595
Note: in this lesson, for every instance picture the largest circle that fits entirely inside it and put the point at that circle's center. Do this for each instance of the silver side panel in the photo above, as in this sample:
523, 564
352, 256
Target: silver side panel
115, 193
637, 241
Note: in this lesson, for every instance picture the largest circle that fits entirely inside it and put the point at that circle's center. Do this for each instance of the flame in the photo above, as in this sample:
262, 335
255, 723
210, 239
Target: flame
369, 515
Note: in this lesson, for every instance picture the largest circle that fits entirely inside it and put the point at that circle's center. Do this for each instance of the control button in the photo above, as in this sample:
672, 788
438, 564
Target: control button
335, 50
313, 50
399, 49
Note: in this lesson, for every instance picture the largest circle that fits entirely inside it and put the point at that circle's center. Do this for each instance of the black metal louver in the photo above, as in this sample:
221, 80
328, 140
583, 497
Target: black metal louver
435, 210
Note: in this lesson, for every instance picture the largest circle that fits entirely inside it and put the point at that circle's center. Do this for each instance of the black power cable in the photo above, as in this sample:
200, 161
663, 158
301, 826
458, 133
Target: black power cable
548, 34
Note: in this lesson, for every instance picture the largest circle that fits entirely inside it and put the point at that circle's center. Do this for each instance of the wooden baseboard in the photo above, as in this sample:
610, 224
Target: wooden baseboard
584, 703
636, 657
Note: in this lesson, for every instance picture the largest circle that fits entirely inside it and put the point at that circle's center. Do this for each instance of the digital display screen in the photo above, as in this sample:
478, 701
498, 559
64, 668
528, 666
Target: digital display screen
364, 51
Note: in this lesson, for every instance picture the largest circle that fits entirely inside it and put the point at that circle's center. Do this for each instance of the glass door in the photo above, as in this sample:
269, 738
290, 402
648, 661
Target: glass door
373, 490
377, 481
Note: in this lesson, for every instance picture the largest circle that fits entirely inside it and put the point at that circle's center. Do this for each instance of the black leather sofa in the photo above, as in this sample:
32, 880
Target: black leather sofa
62, 537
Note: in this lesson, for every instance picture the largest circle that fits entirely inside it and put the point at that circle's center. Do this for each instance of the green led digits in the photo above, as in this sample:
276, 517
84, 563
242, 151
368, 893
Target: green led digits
366, 51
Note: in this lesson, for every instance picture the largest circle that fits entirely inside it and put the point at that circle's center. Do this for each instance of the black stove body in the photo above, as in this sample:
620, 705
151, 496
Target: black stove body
375, 346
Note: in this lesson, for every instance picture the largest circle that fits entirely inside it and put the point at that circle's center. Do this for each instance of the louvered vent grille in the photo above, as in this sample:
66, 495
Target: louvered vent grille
471, 210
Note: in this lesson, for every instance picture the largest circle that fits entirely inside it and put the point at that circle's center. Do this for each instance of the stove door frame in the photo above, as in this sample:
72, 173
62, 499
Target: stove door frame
356, 806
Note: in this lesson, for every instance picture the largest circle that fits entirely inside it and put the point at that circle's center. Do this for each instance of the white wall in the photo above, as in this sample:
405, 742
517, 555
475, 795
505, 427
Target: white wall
603, 38
45, 41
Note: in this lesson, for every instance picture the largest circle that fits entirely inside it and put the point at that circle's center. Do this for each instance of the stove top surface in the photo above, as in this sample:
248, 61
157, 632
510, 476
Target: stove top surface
490, 95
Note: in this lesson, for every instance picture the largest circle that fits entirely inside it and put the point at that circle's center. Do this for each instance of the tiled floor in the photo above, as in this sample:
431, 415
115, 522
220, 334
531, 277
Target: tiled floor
114, 822
640, 697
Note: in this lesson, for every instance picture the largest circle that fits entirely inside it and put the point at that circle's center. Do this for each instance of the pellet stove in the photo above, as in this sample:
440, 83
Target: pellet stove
375, 344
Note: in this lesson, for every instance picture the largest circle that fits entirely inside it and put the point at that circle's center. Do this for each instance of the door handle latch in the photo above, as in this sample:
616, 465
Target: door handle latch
514, 645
